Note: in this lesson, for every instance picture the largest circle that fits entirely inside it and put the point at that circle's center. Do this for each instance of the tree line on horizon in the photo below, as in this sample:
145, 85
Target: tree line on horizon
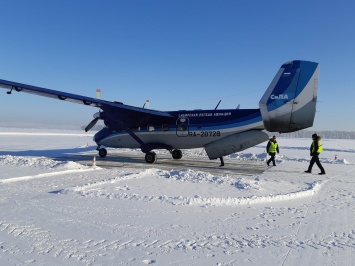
324, 134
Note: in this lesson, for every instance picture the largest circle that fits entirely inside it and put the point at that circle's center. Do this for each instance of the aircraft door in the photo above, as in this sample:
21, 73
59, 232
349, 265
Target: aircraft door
182, 127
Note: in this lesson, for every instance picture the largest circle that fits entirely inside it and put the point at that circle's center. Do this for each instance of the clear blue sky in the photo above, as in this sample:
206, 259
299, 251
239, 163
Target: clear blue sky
178, 54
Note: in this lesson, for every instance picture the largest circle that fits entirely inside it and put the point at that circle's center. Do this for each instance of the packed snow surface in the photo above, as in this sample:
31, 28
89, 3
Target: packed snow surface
56, 211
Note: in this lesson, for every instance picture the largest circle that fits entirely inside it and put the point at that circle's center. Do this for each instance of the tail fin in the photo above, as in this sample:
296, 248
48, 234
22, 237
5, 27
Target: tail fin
289, 104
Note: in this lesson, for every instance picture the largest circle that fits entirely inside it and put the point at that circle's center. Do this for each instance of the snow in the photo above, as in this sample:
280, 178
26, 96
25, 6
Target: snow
56, 211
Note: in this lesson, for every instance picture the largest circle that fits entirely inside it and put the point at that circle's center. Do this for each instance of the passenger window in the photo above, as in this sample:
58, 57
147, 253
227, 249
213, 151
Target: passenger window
151, 128
182, 127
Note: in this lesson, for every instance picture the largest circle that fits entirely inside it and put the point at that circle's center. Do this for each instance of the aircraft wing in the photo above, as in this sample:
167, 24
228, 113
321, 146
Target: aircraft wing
64, 96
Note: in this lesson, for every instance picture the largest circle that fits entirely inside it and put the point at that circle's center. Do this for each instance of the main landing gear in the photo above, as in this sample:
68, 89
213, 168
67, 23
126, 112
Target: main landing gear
177, 154
151, 157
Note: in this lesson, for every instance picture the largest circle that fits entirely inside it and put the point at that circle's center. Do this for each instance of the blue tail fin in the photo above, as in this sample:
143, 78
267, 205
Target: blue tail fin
289, 104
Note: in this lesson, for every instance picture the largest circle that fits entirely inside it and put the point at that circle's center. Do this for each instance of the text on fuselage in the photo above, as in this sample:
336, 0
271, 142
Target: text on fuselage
205, 114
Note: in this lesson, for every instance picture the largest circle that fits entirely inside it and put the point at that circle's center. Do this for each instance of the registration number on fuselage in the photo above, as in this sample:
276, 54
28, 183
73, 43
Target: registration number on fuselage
205, 134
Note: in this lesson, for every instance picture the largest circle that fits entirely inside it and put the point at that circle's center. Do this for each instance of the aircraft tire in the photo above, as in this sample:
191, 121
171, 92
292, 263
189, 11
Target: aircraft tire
102, 152
177, 154
150, 157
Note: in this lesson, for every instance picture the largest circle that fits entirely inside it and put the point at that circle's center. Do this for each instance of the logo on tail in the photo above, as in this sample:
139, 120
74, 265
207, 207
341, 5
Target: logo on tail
279, 97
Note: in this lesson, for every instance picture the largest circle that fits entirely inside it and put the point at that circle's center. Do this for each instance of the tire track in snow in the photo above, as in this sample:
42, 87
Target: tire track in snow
197, 200
308, 233
94, 190
26, 178
86, 251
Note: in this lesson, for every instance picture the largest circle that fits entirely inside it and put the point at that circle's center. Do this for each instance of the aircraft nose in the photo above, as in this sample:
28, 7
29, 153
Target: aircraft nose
102, 134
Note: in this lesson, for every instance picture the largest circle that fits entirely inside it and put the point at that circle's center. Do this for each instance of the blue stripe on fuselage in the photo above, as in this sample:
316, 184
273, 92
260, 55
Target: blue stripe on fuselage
201, 120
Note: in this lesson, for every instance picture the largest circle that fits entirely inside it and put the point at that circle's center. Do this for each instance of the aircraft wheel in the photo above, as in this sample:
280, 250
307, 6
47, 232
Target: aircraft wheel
102, 152
177, 154
150, 157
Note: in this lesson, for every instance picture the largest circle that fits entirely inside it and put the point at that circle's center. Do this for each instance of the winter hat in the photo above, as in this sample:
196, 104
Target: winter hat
314, 135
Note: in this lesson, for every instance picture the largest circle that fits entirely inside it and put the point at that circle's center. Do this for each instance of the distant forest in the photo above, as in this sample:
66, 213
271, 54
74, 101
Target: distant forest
323, 134
297, 134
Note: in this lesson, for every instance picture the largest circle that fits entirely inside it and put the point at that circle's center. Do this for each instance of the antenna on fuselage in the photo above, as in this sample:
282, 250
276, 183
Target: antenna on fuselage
146, 104
98, 94
238, 106
218, 104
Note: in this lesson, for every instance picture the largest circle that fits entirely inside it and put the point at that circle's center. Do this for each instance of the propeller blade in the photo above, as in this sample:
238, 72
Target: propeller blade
91, 124
97, 115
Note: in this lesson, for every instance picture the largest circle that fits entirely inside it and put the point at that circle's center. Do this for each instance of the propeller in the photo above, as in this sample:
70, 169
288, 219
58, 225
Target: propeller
93, 122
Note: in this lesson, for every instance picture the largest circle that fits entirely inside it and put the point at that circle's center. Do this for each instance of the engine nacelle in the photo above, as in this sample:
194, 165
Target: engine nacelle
289, 104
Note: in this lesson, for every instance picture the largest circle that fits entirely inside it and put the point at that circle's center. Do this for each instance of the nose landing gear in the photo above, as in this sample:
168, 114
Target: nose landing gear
102, 152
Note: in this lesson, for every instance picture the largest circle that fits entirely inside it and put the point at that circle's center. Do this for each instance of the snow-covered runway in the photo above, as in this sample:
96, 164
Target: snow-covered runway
62, 212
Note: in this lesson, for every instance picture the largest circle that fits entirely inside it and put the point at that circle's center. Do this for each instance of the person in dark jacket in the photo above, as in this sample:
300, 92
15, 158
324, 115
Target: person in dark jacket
315, 150
222, 161
271, 148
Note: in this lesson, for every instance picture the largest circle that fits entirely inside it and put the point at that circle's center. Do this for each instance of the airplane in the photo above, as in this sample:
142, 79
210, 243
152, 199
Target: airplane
289, 104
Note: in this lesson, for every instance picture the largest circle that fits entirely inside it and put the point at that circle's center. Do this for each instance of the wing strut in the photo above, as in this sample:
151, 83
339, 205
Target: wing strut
145, 147
150, 146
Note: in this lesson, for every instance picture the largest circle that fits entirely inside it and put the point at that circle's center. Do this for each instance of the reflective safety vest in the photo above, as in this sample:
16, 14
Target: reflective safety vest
320, 147
273, 146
